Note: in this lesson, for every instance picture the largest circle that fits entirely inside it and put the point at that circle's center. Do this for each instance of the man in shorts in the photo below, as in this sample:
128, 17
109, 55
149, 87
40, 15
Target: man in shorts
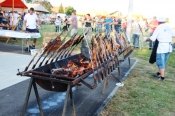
30, 23
74, 23
163, 33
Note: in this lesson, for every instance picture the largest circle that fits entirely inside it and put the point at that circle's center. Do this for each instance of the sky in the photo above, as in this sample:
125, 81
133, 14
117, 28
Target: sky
145, 7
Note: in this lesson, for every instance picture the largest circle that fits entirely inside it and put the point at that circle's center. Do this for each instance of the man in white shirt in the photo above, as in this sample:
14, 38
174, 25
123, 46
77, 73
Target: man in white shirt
163, 33
30, 23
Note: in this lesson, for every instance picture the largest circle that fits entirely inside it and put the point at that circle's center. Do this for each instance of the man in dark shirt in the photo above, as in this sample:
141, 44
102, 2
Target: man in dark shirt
117, 24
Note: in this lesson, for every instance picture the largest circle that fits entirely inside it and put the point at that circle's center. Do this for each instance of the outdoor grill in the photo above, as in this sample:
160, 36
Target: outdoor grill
59, 71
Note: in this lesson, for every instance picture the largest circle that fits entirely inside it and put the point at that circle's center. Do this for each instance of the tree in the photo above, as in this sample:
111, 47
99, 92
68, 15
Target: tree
69, 10
61, 10
28, 1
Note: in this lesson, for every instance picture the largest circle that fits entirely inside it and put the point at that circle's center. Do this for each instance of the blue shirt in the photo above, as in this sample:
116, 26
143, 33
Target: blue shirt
108, 21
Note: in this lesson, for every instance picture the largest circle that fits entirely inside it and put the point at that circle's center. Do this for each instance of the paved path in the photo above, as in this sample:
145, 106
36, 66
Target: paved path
9, 63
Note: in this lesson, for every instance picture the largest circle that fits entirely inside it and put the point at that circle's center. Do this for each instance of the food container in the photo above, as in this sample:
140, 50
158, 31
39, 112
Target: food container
34, 51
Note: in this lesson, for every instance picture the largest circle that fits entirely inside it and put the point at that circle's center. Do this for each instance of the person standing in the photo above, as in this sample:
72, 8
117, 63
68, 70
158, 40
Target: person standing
58, 24
88, 26
124, 24
99, 22
108, 27
153, 24
74, 23
117, 24
14, 22
30, 23
136, 30
1, 18
163, 45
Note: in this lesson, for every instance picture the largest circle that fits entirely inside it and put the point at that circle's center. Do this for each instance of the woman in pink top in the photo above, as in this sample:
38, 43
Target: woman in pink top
153, 24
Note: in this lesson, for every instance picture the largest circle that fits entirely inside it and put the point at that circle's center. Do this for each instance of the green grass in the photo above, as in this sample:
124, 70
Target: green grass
142, 95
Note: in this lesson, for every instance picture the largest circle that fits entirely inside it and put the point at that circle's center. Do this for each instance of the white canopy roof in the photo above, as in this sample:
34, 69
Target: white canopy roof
37, 7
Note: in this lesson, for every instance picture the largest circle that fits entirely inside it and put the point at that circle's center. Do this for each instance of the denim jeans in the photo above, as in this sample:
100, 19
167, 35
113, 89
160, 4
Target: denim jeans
151, 44
58, 28
135, 38
161, 59
108, 31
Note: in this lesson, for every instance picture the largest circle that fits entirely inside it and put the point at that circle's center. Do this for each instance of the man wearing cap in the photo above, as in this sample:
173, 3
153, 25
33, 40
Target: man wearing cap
163, 35
153, 24
30, 23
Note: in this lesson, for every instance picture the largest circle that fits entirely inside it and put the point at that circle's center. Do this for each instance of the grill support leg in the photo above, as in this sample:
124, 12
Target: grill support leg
119, 72
37, 98
32, 82
66, 99
129, 62
27, 97
105, 84
72, 103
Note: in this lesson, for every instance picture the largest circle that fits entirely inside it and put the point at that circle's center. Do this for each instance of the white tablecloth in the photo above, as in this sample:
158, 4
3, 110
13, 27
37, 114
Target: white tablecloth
16, 34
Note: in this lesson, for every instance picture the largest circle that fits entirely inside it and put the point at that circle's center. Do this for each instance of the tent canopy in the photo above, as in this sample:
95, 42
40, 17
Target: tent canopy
8, 3
37, 7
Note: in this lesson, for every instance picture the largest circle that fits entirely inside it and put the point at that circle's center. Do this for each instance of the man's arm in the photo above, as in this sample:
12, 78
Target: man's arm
154, 36
24, 23
88, 21
37, 21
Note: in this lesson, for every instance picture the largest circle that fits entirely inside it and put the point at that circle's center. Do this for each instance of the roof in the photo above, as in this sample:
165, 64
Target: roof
37, 7
8, 3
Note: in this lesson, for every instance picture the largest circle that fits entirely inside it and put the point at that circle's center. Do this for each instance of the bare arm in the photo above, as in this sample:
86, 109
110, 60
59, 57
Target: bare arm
24, 23
114, 23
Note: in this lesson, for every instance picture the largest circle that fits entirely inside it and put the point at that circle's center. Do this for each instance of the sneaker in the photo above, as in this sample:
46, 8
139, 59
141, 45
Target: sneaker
161, 79
31, 47
26, 49
156, 75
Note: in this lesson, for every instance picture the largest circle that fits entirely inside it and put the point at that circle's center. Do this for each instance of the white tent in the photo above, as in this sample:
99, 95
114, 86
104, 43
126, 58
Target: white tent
37, 7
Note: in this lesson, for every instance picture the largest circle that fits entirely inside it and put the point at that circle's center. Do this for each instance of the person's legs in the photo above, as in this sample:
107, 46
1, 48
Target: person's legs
73, 31
137, 41
151, 43
55, 28
134, 39
161, 60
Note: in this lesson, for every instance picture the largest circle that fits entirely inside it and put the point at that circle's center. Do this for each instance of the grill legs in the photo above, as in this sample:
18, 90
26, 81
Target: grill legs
37, 98
32, 82
27, 97
129, 62
69, 92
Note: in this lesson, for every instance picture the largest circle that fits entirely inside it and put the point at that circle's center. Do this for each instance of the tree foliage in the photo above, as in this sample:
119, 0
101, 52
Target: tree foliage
61, 10
28, 1
69, 10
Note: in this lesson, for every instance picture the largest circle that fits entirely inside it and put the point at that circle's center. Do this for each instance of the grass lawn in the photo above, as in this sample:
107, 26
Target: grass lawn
142, 95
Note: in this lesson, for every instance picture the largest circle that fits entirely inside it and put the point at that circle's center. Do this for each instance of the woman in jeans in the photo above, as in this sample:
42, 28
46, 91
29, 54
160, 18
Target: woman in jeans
58, 24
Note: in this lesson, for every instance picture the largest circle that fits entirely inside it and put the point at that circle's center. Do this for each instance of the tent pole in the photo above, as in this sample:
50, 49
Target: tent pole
12, 13
129, 21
